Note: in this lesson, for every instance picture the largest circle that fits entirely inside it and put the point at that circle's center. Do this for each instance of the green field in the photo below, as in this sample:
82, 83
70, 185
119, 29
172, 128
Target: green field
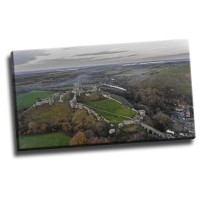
175, 70
28, 99
58, 139
108, 106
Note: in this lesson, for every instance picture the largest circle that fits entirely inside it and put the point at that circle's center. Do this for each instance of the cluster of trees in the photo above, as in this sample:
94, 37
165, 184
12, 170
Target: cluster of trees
80, 121
157, 102
100, 128
83, 129
94, 96
84, 137
121, 135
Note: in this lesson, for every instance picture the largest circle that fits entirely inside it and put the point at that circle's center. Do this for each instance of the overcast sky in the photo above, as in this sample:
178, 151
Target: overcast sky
97, 55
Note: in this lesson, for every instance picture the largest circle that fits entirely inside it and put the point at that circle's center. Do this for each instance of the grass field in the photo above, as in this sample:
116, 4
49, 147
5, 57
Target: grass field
175, 70
28, 99
111, 107
58, 139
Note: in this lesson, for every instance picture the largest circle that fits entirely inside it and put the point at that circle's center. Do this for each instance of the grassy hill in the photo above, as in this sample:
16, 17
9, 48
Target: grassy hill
111, 106
48, 114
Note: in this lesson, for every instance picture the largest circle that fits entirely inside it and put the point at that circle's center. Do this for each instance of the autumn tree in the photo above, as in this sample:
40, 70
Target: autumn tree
78, 139
66, 127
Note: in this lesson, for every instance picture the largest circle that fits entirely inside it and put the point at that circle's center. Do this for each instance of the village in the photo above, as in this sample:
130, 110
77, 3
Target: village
182, 115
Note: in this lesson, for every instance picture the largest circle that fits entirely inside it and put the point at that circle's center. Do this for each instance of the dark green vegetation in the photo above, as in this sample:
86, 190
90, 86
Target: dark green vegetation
131, 133
158, 91
94, 96
170, 77
43, 140
179, 78
108, 107
26, 100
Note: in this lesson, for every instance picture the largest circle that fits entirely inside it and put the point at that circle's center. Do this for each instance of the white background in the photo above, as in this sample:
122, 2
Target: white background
151, 171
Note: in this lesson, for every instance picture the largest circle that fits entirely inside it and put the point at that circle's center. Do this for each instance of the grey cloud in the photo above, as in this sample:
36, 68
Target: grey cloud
132, 55
22, 57
116, 57
60, 62
97, 55
64, 61
100, 53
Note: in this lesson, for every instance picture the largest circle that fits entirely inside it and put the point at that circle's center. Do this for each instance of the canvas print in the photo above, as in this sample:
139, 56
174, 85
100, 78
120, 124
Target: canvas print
106, 94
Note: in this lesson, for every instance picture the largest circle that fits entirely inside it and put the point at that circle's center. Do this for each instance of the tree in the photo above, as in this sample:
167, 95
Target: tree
89, 133
161, 118
161, 121
101, 128
43, 128
78, 139
66, 127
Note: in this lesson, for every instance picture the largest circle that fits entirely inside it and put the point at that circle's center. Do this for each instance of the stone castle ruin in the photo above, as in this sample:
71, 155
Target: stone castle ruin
48, 101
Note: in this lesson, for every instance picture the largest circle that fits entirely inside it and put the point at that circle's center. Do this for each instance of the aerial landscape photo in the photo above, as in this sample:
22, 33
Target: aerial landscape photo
106, 94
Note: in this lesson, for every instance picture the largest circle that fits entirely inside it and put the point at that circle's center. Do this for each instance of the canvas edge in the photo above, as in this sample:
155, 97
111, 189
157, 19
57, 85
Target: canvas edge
14, 99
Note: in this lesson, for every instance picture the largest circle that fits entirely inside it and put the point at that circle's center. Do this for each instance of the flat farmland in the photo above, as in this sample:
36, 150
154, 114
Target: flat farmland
57, 139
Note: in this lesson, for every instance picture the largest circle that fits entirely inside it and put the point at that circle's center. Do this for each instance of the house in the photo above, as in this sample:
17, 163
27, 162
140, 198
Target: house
141, 113
169, 131
179, 109
111, 131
